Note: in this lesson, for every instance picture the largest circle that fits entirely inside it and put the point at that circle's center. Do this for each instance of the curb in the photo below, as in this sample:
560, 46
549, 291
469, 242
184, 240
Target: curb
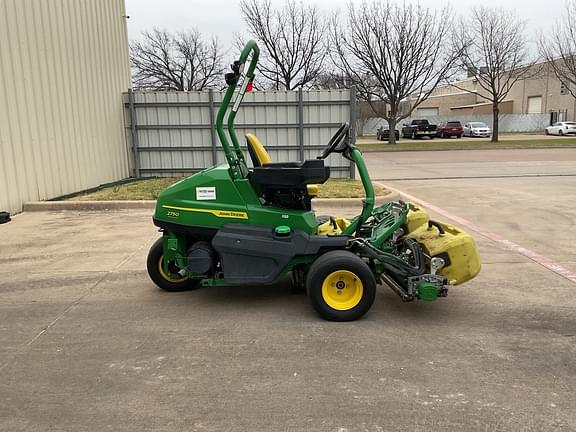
40, 206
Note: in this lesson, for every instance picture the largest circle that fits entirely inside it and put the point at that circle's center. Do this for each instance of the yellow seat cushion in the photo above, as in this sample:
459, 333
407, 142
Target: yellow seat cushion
312, 190
257, 151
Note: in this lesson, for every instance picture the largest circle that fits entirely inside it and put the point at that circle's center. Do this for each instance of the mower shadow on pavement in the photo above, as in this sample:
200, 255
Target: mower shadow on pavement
267, 299
237, 295
389, 307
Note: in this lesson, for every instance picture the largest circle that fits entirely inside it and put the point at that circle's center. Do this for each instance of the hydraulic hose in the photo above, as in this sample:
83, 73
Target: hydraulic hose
392, 262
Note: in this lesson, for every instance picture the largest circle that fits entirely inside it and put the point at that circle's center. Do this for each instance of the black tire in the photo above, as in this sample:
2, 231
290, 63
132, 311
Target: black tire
560, 132
160, 278
352, 273
546, 132
459, 136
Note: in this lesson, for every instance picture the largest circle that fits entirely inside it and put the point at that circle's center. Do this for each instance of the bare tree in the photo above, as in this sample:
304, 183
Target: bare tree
391, 52
494, 52
181, 61
335, 81
559, 48
292, 41
330, 80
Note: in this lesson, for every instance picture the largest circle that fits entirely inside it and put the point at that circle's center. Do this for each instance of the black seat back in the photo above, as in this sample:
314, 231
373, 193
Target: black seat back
291, 174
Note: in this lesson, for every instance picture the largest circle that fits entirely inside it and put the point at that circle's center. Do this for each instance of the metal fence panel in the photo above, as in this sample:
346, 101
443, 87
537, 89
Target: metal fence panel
172, 133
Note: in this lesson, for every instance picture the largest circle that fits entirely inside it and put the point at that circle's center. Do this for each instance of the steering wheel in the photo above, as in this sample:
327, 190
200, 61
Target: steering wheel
338, 142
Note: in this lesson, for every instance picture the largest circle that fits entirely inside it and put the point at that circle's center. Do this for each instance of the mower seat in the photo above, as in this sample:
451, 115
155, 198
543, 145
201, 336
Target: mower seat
260, 157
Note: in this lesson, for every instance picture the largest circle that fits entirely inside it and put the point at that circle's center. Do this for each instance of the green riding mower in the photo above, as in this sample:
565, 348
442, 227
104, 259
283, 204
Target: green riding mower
235, 225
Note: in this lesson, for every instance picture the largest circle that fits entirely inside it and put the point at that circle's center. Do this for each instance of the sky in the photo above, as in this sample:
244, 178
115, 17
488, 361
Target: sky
222, 17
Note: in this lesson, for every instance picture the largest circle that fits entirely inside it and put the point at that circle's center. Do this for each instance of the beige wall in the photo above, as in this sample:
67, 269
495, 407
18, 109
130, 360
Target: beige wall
506, 107
63, 67
445, 102
546, 85
450, 100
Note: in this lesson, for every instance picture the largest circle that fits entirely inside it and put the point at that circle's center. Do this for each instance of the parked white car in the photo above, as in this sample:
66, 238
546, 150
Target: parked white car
561, 128
477, 129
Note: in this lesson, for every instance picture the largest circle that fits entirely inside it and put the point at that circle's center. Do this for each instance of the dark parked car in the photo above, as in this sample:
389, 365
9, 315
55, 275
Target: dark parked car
383, 133
450, 129
419, 129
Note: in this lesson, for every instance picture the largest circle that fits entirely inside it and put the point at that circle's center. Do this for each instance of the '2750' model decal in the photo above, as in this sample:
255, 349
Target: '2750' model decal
217, 213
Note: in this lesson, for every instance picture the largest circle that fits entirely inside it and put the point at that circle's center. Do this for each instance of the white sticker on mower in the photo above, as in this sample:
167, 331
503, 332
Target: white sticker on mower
205, 193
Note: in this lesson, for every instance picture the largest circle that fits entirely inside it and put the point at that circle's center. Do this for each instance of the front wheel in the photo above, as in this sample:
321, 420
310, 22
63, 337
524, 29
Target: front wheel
560, 132
341, 286
165, 275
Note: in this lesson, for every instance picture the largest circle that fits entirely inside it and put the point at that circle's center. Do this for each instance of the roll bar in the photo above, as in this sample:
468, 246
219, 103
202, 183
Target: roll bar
235, 157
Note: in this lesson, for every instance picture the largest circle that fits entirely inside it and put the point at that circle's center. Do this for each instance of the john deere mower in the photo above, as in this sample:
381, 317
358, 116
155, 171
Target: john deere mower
233, 224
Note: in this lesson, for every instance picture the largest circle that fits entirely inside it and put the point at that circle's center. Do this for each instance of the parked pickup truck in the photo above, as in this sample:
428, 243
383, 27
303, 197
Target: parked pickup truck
419, 129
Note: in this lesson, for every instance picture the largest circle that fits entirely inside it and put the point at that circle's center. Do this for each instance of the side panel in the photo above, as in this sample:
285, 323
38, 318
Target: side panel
256, 255
207, 199
211, 199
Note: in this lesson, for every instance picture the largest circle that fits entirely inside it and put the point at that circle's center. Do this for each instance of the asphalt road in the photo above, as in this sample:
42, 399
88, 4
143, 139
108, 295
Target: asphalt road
87, 343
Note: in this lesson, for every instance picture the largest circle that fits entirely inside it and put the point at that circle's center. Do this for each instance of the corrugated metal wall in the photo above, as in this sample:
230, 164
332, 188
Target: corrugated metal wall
63, 68
176, 136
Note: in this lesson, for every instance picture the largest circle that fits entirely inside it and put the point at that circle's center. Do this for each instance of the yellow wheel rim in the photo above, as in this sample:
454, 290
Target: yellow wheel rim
342, 290
169, 276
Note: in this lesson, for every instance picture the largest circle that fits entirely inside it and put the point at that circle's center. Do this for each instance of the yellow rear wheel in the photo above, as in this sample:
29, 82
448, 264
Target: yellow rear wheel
341, 286
342, 290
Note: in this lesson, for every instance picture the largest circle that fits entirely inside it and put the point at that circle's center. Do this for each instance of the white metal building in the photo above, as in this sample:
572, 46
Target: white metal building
63, 68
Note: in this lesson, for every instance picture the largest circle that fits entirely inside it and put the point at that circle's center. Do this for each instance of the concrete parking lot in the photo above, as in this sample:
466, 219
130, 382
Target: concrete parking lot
88, 343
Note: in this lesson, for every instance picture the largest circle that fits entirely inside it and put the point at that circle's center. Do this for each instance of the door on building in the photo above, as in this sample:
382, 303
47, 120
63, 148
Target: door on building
426, 112
534, 104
